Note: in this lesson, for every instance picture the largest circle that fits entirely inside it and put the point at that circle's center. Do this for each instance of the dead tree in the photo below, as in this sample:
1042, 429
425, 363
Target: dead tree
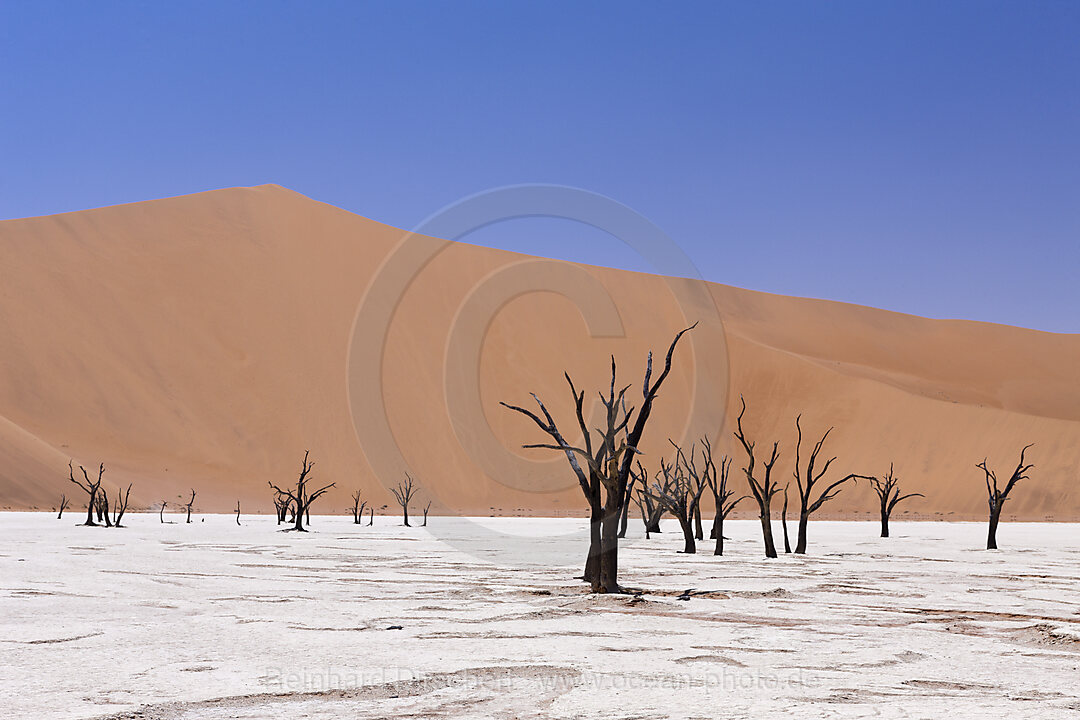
161, 512
90, 488
103, 508
358, 508
783, 521
608, 462
301, 498
996, 497
371, 515
625, 519
651, 512
888, 492
807, 505
404, 493
282, 503
763, 489
238, 513
189, 504
63, 506
121, 506
682, 495
426, 508
721, 494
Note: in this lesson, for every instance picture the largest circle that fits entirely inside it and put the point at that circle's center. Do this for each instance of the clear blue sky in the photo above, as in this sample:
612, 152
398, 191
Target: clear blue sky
916, 156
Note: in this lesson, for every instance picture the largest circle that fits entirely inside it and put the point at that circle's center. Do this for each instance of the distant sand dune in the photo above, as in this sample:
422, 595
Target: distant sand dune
202, 341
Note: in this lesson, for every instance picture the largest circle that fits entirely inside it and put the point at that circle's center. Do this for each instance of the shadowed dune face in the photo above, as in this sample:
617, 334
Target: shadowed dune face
203, 341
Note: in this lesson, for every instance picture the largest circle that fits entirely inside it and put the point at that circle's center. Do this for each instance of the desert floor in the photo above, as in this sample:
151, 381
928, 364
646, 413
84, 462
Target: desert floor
211, 620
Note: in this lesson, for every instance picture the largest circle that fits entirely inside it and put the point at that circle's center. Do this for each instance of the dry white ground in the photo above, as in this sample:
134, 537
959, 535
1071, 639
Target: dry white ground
211, 620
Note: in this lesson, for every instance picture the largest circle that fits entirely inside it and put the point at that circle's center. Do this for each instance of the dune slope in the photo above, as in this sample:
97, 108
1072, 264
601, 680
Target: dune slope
204, 342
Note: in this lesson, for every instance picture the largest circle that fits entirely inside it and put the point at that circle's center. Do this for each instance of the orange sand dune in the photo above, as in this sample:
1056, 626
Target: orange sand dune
204, 342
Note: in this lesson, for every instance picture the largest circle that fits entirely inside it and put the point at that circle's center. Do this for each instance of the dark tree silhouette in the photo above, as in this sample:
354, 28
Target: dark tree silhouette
282, 504
426, 508
358, 508
996, 497
103, 508
721, 494
371, 515
888, 492
63, 506
680, 493
763, 489
189, 504
625, 519
161, 512
608, 462
90, 488
808, 505
238, 512
783, 521
121, 506
404, 493
651, 512
301, 498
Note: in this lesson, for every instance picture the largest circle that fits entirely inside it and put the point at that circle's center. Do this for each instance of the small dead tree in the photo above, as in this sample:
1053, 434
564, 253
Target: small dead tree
358, 508
807, 505
121, 506
189, 504
161, 512
301, 498
426, 508
103, 508
371, 515
721, 494
651, 512
404, 493
996, 497
90, 488
763, 488
783, 521
238, 513
888, 492
682, 495
63, 506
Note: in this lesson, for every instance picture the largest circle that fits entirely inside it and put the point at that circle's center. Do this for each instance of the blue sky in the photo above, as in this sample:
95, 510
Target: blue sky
916, 156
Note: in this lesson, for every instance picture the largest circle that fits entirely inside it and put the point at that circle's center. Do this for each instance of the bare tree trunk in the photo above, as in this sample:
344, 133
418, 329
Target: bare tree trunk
699, 533
609, 548
625, 518
371, 517
800, 546
783, 522
592, 562
718, 533
884, 521
689, 545
991, 536
766, 531
161, 513
238, 512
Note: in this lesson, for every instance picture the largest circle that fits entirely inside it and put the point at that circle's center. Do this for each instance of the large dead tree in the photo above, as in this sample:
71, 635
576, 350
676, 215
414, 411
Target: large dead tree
404, 493
121, 506
762, 486
996, 497
808, 505
301, 497
63, 506
189, 504
608, 462
90, 488
682, 494
888, 492
722, 495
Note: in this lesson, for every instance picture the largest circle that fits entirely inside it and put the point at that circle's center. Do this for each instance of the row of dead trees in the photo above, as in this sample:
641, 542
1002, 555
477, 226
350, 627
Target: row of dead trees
97, 503
610, 476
